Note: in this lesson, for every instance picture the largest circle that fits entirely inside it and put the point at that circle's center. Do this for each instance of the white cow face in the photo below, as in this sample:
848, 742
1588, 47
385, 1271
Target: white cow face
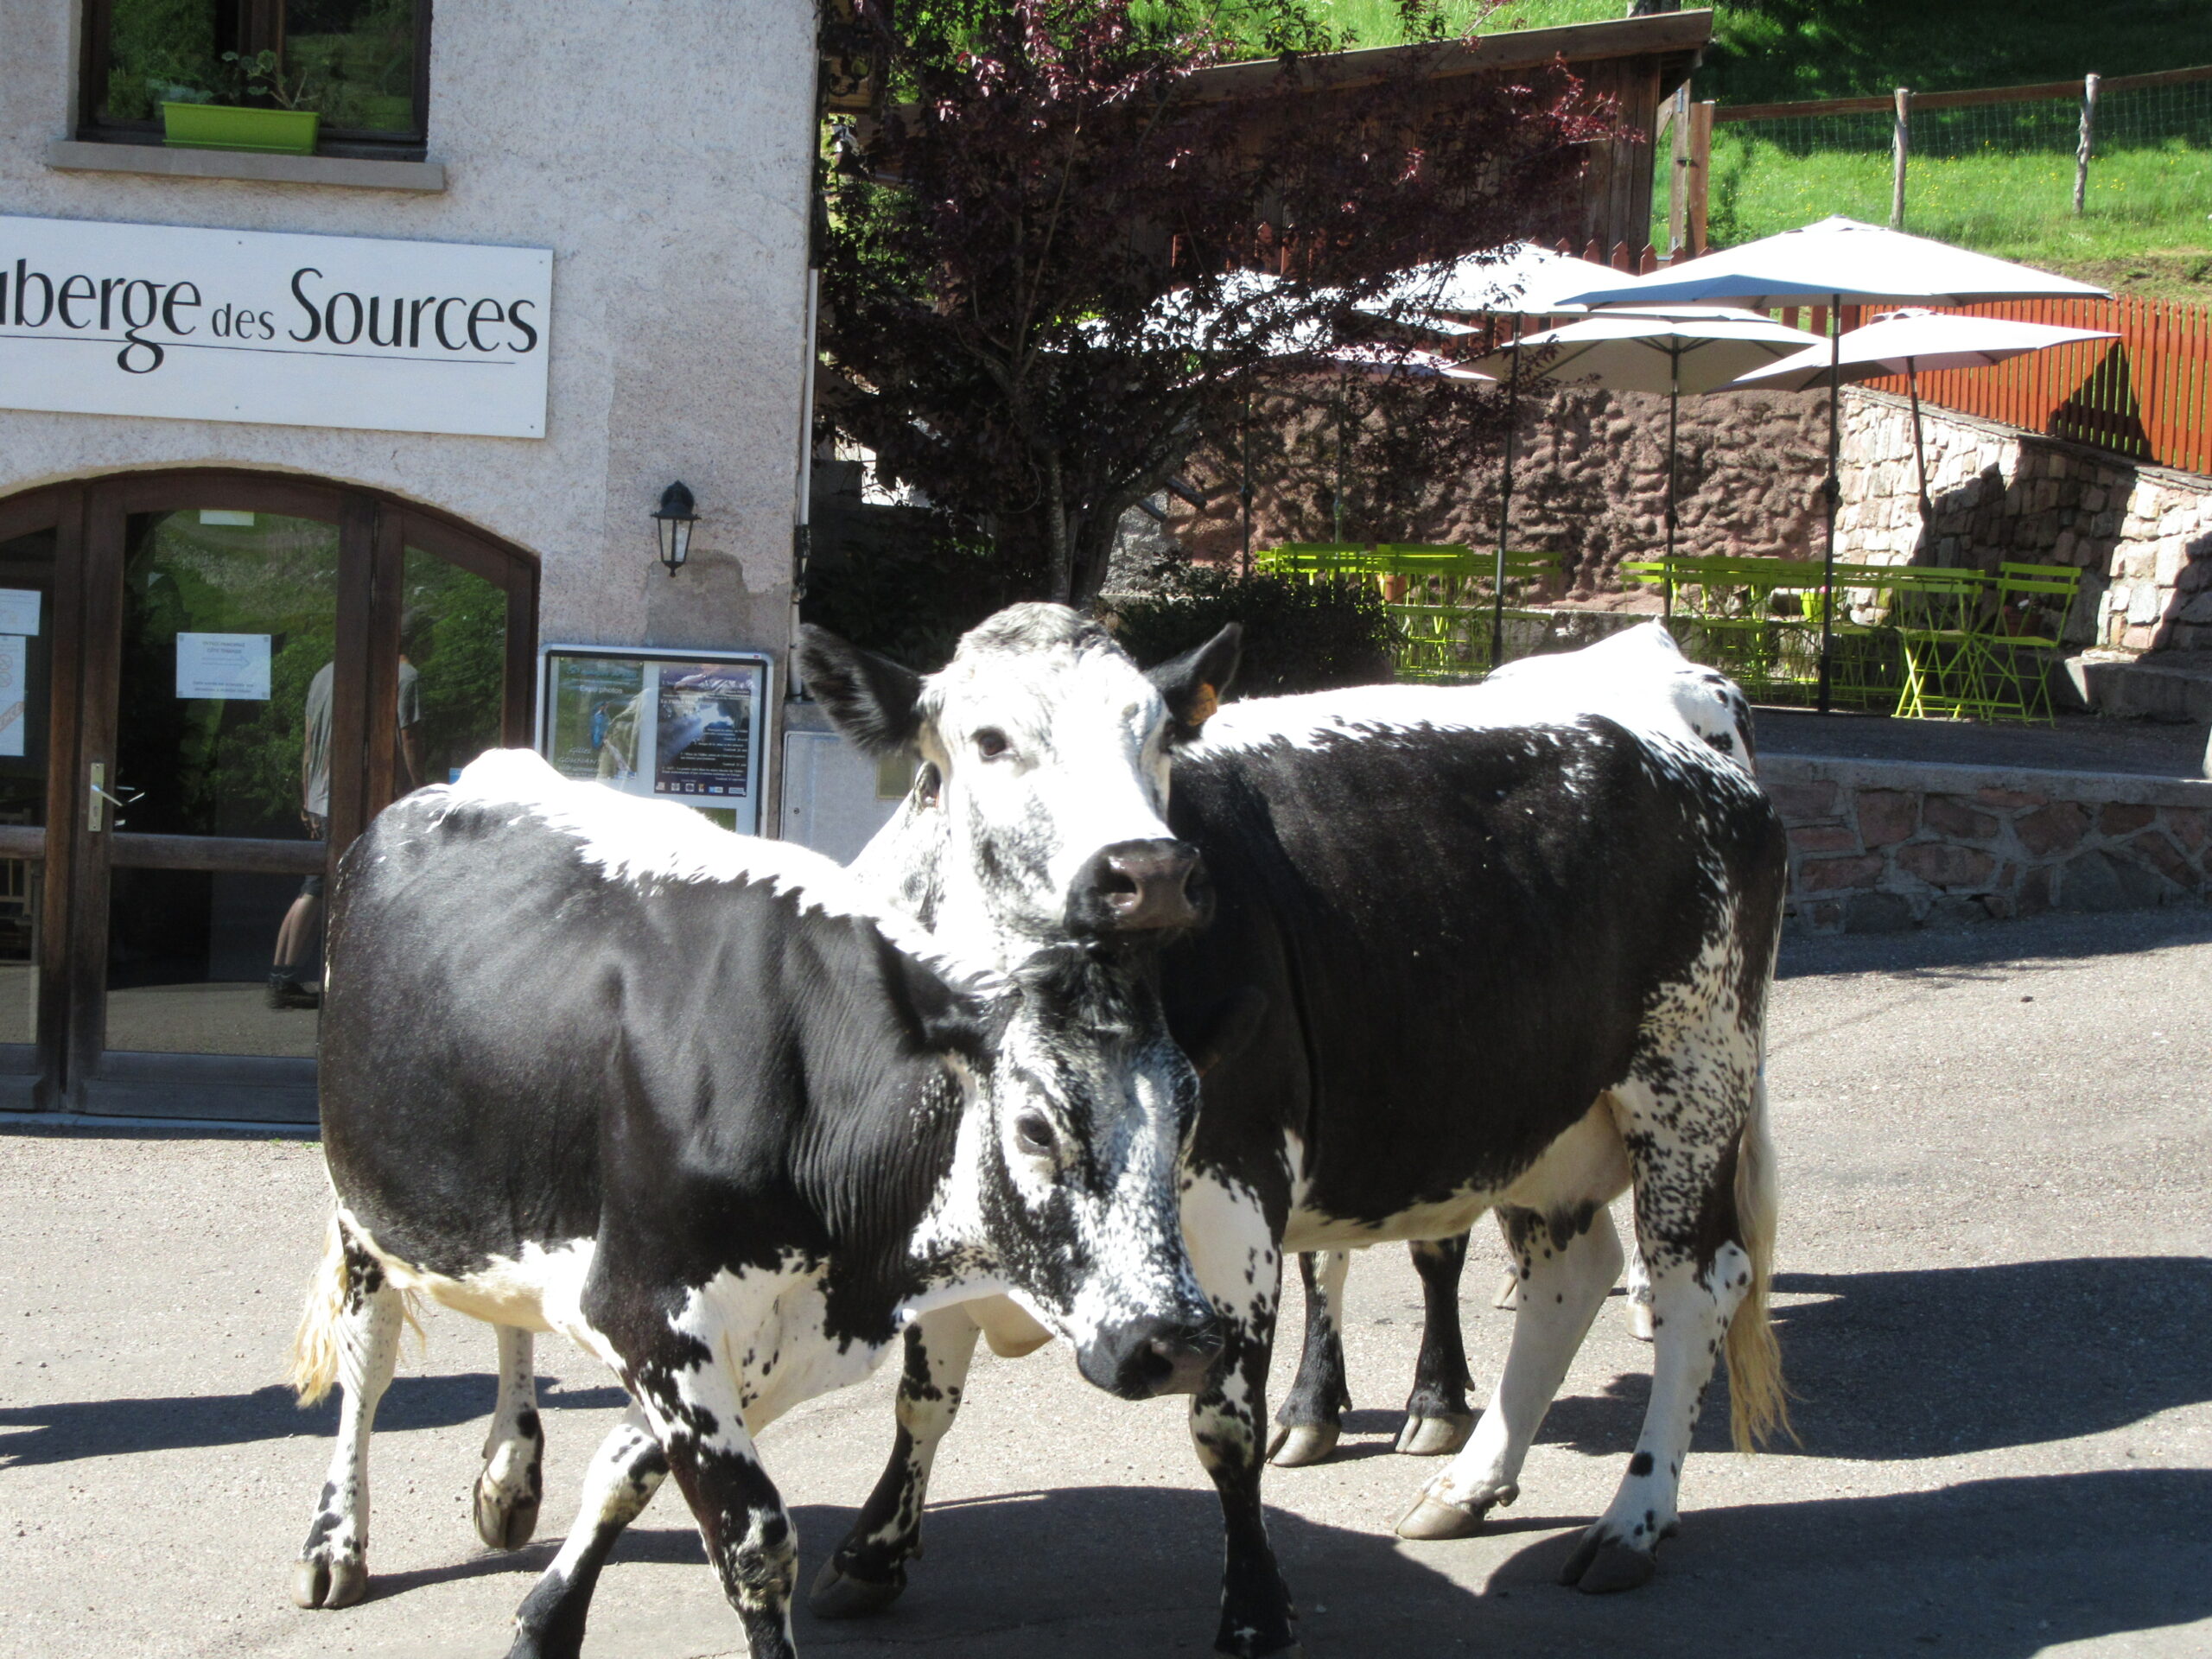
1038, 814
1064, 1176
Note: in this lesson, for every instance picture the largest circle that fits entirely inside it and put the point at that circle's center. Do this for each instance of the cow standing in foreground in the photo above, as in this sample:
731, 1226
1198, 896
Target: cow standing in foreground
591, 1066
1511, 945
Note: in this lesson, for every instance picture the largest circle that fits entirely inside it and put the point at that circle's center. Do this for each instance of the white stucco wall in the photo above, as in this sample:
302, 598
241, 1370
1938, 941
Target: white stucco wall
661, 149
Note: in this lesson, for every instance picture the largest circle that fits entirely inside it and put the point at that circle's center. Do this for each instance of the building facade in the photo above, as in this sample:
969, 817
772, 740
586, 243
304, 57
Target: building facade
256, 577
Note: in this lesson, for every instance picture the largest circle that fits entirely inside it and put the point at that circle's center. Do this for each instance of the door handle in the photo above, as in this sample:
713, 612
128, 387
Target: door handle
102, 800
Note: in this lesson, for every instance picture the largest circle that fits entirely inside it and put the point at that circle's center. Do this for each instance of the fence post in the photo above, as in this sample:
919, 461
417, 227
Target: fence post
1900, 142
1700, 170
2088, 140
1678, 184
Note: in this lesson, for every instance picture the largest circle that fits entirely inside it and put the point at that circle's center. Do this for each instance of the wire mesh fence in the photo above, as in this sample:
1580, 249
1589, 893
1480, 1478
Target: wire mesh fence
1995, 169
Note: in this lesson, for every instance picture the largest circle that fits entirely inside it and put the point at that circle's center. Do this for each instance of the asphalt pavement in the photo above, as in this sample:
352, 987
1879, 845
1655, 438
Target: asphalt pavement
1996, 1304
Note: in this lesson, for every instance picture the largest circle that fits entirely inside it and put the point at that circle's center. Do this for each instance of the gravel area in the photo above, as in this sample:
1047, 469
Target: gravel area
1996, 1290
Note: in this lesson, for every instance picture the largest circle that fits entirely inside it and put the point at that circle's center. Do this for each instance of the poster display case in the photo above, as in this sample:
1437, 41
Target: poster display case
667, 724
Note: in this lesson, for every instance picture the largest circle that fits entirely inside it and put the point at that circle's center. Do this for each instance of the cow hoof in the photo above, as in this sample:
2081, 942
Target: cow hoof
504, 1520
1604, 1566
1296, 1444
1436, 1437
1639, 1320
1508, 1293
838, 1594
1431, 1517
319, 1583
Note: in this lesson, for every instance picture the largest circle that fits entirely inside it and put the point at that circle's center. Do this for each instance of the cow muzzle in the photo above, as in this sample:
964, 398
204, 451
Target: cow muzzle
1138, 887
1151, 1356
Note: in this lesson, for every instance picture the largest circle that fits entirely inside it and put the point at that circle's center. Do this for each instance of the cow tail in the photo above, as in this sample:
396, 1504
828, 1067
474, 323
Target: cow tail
325, 1351
1758, 1403
315, 1345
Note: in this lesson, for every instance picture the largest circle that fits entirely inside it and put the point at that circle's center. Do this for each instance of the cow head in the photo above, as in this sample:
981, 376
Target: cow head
1037, 815
1063, 1188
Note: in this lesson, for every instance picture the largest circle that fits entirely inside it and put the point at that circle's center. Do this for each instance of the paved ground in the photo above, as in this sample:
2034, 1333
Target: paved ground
2074, 743
1997, 1278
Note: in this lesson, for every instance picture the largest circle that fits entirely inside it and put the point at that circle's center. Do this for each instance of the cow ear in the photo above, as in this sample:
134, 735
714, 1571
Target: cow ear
872, 699
1191, 685
939, 1016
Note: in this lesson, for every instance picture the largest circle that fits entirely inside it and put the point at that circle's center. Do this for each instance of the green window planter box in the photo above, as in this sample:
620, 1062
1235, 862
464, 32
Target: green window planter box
229, 126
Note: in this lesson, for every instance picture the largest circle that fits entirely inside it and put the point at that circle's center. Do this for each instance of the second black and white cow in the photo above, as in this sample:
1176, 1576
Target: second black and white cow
590, 1065
1510, 947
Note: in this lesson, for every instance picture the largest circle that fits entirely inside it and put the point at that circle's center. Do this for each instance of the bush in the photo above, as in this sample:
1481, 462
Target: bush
1298, 635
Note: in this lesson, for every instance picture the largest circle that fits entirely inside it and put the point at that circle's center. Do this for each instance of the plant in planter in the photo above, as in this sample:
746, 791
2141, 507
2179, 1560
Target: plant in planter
284, 126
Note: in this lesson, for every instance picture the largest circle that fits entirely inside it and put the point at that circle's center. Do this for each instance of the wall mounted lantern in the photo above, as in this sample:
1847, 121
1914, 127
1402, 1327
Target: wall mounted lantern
672, 522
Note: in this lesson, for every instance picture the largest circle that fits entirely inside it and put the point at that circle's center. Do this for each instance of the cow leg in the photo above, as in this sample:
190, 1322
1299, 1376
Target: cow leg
1508, 1288
1234, 1248
697, 1417
869, 1570
514, 1480
1567, 1255
625, 1474
333, 1569
1706, 1226
1437, 1421
1309, 1413
1639, 1295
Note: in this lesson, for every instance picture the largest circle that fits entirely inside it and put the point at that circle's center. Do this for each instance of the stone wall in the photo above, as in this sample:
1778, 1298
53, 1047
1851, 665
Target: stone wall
1878, 847
2142, 535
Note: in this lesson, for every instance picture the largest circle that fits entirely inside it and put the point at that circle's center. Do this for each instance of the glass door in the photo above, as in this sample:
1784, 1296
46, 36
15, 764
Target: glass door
266, 663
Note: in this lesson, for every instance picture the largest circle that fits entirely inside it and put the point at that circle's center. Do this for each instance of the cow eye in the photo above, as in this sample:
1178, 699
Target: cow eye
990, 743
1032, 1133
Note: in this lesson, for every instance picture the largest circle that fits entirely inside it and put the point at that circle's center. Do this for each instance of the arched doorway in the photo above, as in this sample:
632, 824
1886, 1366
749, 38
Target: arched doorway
218, 678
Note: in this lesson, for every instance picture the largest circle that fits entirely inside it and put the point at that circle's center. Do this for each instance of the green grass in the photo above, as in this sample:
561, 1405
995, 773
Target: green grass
1376, 23
2144, 228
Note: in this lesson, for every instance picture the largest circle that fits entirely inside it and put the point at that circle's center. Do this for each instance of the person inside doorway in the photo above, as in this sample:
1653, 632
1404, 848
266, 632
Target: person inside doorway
289, 985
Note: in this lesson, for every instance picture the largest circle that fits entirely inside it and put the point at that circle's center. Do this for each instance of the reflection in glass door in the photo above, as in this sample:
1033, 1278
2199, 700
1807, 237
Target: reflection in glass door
26, 675
453, 670
223, 732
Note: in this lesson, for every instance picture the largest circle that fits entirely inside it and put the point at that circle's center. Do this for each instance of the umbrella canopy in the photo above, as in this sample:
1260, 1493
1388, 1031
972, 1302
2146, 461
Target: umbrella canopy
1520, 279
1838, 260
1688, 352
1915, 342
1382, 361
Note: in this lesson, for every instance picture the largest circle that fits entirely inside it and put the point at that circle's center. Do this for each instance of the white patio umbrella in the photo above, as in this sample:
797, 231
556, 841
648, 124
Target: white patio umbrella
1697, 349
1907, 343
1522, 279
1838, 262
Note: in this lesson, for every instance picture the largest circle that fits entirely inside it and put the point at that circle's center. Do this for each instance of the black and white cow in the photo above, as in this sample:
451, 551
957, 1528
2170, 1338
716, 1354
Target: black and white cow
1510, 947
591, 1066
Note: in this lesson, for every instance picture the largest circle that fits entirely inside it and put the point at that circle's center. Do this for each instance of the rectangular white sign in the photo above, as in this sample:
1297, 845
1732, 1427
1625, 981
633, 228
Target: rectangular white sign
19, 610
230, 667
162, 320
14, 684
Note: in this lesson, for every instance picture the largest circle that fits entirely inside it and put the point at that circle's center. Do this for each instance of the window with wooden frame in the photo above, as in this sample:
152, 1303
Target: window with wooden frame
363, 64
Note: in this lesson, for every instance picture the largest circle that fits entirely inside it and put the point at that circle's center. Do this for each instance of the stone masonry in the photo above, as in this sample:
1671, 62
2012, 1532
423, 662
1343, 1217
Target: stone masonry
2141, 536
1879, 846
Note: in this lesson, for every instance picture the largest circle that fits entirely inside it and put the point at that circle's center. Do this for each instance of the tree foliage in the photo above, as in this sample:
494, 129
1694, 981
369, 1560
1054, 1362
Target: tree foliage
1039, 288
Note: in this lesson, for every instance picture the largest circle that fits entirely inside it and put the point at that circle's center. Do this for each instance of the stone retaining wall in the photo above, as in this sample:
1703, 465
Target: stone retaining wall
1878, 847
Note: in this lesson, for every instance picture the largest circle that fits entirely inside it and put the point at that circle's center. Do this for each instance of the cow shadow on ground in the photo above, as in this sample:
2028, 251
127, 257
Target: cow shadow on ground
2002, 1568
1947, 1360
98, 1429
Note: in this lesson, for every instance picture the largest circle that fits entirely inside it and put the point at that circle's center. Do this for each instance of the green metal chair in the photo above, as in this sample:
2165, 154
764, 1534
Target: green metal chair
1937, 612
2028, 622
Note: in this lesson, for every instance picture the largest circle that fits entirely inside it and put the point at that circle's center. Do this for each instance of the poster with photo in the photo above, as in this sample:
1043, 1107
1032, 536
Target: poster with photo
686, 726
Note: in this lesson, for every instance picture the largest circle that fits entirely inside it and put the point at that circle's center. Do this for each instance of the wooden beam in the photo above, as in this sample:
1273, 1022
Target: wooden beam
135, 852
1665, 34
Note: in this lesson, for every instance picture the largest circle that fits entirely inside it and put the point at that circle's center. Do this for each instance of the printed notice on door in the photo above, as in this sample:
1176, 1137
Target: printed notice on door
19, 610
13, 678
226, 667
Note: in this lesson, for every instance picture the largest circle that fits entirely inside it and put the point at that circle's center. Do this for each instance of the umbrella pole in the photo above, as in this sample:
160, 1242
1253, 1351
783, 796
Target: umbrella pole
1674, 405
1830, 493
1504, 513
1919, 455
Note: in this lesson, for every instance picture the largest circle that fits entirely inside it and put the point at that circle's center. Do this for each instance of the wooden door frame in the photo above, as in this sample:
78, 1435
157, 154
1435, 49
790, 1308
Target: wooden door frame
90, 519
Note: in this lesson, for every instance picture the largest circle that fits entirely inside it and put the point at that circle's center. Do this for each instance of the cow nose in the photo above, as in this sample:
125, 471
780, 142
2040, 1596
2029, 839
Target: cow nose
1134, 887
1149, 1356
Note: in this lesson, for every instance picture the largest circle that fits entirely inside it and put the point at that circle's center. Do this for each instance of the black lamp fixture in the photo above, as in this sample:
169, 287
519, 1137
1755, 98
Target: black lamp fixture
672, 522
